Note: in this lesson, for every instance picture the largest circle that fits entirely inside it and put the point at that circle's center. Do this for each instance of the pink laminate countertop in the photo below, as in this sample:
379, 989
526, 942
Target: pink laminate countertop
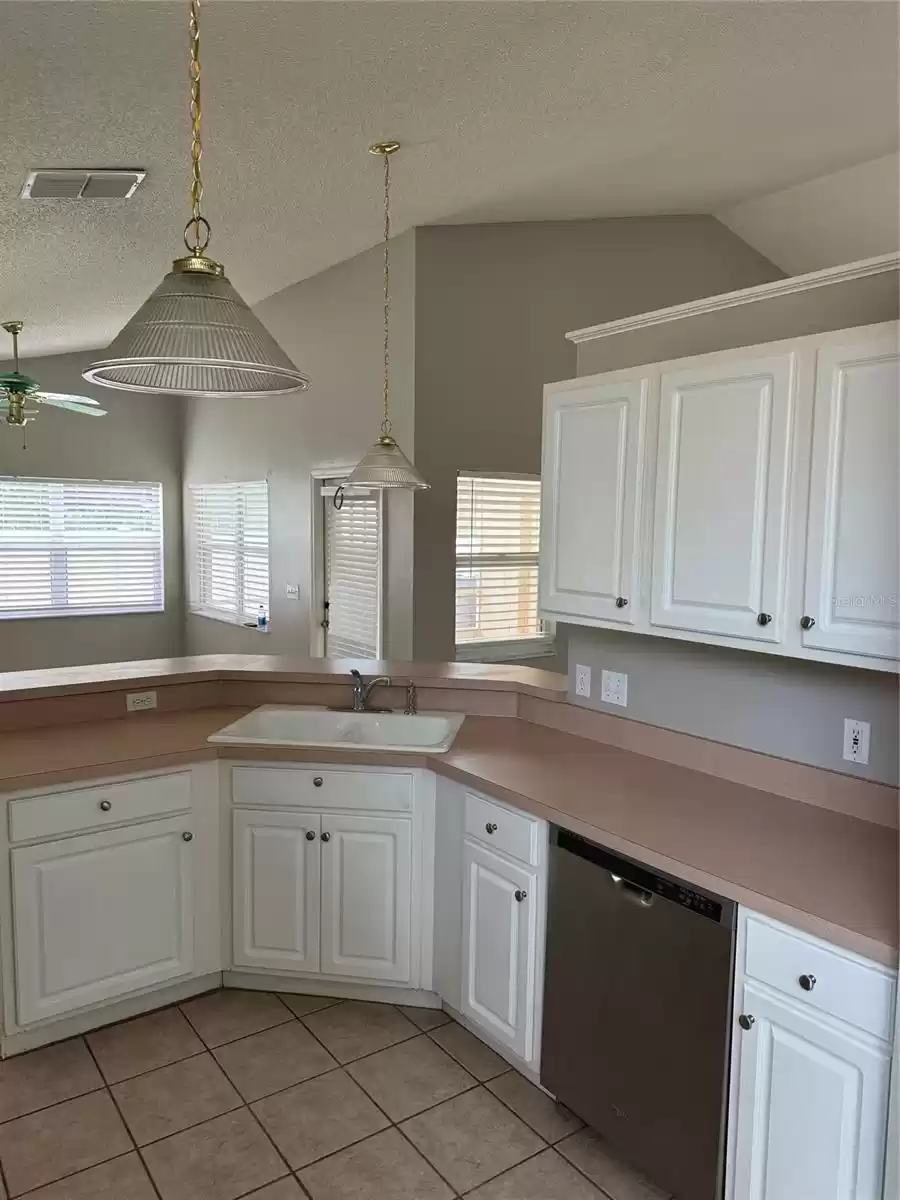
56, 681
831, 874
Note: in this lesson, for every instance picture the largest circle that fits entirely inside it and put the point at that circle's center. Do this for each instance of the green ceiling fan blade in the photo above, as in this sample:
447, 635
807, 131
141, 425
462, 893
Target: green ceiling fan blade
79, 404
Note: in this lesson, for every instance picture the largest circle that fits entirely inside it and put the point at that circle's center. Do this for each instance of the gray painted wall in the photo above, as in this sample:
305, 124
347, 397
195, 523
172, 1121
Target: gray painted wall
140, 439
331, 325
493, 304
780, 706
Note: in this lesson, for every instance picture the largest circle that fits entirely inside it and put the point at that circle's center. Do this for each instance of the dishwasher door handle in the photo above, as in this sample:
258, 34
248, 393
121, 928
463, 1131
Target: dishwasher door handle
631, 891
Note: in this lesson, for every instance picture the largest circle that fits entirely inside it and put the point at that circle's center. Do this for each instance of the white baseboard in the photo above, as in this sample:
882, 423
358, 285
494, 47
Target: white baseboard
387, 993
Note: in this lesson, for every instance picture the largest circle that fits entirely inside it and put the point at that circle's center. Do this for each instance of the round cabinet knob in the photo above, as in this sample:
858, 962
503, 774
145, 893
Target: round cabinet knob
746, 1022
310, 835
807, 622
807, 982
318, 781
187, 836
764, 619
621, 602
491, 827
521, 895
105, 805
326, 837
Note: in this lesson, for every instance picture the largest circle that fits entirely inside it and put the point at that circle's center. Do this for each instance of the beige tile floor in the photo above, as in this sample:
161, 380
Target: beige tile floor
250, 1094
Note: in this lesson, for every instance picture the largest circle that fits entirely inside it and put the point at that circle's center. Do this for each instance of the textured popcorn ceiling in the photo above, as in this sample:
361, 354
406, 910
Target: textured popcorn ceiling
508, 111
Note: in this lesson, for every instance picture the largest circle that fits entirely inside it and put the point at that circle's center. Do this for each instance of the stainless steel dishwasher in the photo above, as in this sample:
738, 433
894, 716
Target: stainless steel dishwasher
637, 1004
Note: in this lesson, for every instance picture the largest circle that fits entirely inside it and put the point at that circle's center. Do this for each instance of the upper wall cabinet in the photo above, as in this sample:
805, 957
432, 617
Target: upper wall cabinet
762, 515
853, 529
593, 465
720, 526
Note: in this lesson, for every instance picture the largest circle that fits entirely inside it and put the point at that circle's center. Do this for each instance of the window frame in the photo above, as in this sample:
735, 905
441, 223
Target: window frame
194, 605
501, 649
60, 574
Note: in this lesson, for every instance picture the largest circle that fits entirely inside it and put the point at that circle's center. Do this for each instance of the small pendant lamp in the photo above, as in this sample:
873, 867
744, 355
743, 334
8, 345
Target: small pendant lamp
385, 465
195, 336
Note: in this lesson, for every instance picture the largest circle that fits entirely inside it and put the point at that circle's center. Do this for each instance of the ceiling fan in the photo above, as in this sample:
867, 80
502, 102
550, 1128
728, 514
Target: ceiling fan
17, 390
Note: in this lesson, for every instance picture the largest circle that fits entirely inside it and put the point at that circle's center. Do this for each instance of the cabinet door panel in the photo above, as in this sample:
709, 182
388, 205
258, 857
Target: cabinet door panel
366, 896
722, 498
812, 1107
101, 915
852, 574
499, 952
276, 890
593, 470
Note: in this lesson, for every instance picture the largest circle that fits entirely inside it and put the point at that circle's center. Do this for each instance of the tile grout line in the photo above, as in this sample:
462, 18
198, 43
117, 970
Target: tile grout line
125, 1124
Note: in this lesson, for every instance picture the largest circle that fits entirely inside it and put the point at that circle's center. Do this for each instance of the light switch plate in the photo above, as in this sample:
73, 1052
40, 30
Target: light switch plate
582, 680
292, 591
856, 740
614, 688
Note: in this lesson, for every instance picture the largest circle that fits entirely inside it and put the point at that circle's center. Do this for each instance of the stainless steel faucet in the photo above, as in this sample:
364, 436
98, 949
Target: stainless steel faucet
362, 691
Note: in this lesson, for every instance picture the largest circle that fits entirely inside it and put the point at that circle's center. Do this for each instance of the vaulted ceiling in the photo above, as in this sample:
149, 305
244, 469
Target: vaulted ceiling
507, 111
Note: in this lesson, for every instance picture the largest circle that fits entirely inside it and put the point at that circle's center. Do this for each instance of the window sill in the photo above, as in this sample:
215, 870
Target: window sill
210, 614
506, 651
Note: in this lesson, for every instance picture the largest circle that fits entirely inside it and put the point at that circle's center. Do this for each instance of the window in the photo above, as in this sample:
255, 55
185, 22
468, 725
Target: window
79, 547
229, 550
498, 521
352, 573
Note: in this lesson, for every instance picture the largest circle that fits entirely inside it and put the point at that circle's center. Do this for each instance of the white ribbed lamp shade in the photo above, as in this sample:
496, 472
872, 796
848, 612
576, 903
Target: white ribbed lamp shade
385, 466
195, 336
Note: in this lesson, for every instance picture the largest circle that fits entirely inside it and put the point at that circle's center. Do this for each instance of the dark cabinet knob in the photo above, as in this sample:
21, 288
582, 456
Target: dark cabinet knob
326, 837
310, 835
807, 622
621, 602
187, 836
746, 1022
764, 619
807, 982
105, 805
318, 781
521, 895
490, 827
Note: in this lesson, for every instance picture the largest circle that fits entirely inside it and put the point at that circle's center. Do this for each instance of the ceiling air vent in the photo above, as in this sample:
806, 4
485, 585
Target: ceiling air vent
82, 184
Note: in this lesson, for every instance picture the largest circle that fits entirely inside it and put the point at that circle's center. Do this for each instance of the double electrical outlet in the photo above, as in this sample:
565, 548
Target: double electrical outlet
613, 685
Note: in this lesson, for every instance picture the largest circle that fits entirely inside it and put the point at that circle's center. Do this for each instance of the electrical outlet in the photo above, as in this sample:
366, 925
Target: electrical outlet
139, 701
292, 591
582, 680
614, 688
856, 740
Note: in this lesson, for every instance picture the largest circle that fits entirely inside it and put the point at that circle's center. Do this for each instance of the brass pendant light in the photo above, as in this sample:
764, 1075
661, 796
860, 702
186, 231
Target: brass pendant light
385, 465
195, 336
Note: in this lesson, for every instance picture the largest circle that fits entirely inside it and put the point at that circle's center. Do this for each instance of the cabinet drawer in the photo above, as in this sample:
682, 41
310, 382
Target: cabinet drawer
57, 813
322, 788
504, 829
845, 987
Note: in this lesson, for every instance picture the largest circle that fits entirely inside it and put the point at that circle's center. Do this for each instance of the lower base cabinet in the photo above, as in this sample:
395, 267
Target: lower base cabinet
500, 947
812, 1107
327, 893
101, 915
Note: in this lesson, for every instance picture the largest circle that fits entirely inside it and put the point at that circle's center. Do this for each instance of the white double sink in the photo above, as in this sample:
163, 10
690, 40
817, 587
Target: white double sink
272, 725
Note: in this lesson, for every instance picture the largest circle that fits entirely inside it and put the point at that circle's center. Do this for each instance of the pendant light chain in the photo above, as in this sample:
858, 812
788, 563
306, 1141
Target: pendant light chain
197, 226
385, 421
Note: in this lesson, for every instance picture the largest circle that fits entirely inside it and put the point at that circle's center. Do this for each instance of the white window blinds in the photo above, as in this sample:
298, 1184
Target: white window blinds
80, 547
229, 540
353, 575
497, 542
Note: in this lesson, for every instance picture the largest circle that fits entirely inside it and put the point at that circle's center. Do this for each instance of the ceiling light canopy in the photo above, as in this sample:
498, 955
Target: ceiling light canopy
195, 336
385, 465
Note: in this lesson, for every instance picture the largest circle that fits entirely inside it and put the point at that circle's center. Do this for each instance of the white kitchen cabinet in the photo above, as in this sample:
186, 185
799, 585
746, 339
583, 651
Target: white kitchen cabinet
366, 896
501, 903
853, 536
102, 914
812, 1105
276, 889
593, 472
722, 496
